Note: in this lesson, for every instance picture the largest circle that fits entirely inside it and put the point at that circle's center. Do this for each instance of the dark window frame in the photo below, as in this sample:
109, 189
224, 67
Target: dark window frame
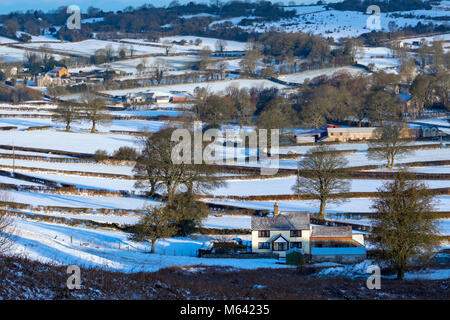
263, 245
264, 233
298, 232
296, 244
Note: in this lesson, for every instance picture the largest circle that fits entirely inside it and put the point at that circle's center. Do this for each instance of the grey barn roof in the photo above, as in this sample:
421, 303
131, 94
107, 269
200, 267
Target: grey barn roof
329, 232
282, 221
353, 130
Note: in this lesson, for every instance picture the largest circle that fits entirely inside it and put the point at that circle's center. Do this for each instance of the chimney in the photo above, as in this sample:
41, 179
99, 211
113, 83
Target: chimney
275, 209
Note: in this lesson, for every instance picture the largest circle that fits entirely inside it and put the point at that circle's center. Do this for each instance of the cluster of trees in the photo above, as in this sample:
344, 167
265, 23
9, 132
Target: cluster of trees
19, 93
41, 60
378, 38
149, 19
108, 54
324, 100
155, 71
215, 109
319, 102
90, 108
430, 91
342, 97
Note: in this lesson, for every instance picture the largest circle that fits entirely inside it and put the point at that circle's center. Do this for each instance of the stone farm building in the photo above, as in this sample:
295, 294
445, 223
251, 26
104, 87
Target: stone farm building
283, 231
335, 133
57, 76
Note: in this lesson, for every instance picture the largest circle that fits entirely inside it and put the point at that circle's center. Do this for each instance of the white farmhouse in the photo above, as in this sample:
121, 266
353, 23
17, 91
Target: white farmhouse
283, 231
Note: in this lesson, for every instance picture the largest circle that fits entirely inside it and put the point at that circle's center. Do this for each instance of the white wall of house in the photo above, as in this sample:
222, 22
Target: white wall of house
359, 237
304, 239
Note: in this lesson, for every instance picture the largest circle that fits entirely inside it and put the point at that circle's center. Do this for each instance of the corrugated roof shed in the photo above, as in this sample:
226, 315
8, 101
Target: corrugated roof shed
331, 232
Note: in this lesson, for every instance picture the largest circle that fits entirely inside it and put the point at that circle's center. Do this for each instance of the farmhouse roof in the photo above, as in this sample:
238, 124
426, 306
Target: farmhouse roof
282, 221
56, 69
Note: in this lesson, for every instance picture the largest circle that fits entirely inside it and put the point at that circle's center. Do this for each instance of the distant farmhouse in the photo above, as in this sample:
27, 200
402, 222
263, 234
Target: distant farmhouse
57, 76
283, 232
59, 72
335, 133
151, 97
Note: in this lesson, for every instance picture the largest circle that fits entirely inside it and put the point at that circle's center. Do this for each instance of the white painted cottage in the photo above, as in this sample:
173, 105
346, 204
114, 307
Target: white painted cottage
282, 231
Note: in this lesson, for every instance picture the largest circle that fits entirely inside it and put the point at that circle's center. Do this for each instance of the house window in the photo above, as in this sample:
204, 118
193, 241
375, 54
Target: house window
340, 133
263, 245
331, 134
264, 233
296, 233
280, 246
296, 245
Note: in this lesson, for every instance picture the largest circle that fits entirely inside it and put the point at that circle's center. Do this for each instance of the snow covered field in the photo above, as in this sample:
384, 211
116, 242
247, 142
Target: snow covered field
284, 186
68, 141
51, 243
119, 125
90, 202
87, 48
69, 166
381, 58
358, 159
215, 87
85, 181
302, 76
350, 205
341, 24
8, 54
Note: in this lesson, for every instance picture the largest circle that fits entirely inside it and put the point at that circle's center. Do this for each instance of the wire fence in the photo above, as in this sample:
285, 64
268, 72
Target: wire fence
120, 245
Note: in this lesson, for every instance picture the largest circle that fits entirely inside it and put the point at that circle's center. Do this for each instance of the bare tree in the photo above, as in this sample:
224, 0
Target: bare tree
109, 52
158, 69
320, 174
157, 223
155, 168
67, 112
168, 47
222, 66
249, 62
389, 144
94, 110
131, 51
221, 45
205, 58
